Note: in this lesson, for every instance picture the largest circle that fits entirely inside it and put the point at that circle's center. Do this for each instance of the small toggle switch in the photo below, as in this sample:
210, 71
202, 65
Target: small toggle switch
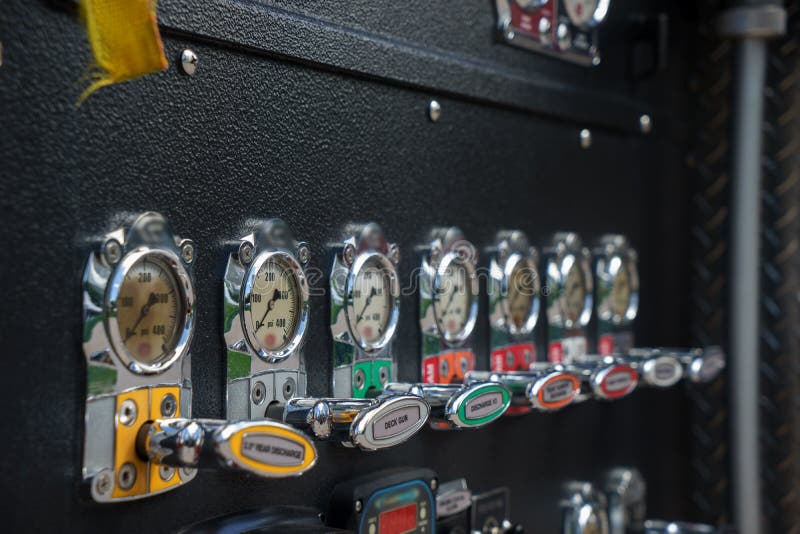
457, 405
604, 377
264, 448
369, 424
545, 387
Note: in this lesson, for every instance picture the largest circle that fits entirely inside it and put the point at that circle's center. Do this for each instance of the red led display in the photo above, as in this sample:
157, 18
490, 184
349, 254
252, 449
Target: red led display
398, 520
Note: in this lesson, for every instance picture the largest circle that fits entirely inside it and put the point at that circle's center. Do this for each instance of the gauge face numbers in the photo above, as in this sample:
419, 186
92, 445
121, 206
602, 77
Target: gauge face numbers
521, 294
149, 310
581, 12
274, 305
574, 292
372, 302
621, 292
454, 304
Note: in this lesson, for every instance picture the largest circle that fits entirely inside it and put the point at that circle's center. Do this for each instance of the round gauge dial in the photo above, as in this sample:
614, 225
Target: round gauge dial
621, 292
574, 292
521, 294
585, 12
149, 310
274, 305
455, 299
373, 302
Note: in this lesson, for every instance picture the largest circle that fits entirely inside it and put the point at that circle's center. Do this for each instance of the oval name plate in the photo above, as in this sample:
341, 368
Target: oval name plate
554, 391
614, 382
477, 405
265, 448
390, 421
662, 372
708, 365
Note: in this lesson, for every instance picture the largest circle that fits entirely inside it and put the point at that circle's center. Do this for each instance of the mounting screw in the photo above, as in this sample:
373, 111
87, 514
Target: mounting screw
246, 252
187, 251
359, 506
596, 60
127, 412
112, 251
126, 477
303, 254
187, 473
645, 124
288, 388
166, 472
103, 483
434, 110
259, 393
169, 405
189, 62
434, 484
394, 253
586, 138
349, 254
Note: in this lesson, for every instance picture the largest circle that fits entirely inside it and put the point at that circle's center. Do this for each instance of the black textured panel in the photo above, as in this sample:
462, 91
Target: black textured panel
253, 135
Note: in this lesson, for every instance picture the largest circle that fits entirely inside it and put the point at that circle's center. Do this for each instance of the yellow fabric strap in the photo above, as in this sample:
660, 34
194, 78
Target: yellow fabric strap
125, 41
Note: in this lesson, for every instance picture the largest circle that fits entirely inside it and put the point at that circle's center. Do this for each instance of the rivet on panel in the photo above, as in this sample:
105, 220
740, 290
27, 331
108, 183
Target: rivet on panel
586, 138
189, 62
434, 110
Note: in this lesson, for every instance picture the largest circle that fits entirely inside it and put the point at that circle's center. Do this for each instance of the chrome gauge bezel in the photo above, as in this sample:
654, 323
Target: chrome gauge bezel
362, 260
450, 258
558, 269
598, 15
533, 316
608, 270
186, 298
287, 260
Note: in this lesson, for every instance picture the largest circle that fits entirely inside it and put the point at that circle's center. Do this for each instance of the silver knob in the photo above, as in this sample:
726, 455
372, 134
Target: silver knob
369, 424
656, 368
604, 377
545, 388
264, 448
456, 405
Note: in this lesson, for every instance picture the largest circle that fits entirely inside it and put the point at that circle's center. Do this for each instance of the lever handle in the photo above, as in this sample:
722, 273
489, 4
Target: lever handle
457, 405
657, 526
369, 424
264, 448
700, 365
545, 387
656, 368
604, 377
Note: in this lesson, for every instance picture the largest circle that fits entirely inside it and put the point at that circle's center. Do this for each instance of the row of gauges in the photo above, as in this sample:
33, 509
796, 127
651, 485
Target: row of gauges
139, 318
412, 500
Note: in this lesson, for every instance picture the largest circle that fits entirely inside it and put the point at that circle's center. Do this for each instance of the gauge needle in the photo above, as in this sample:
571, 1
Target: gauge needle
452, 296
145, 310
369, 299
271, 304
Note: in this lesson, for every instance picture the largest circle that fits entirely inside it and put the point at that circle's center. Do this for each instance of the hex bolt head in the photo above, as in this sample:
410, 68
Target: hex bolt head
586, 138
349, 254
303, 254
645, 124
359, 506
169, 405
246, 252
434, 110
187, 251
127, 412
189, 61
112, 251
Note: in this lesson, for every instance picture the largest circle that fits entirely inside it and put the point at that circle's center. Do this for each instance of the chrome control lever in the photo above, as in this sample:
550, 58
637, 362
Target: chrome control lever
369, 424
658, 526
457, 405
700, 365
264, 448
545, 387
603, 377
655, 367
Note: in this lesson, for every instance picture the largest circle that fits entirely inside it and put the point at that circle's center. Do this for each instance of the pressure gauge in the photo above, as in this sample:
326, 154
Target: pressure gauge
265, 318
617, 293
514, 291
448, 308
586, 13
569, 297
149, 298
365, 301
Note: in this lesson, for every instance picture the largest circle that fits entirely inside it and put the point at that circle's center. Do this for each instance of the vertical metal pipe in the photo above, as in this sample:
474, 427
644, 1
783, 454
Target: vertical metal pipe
745, 223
